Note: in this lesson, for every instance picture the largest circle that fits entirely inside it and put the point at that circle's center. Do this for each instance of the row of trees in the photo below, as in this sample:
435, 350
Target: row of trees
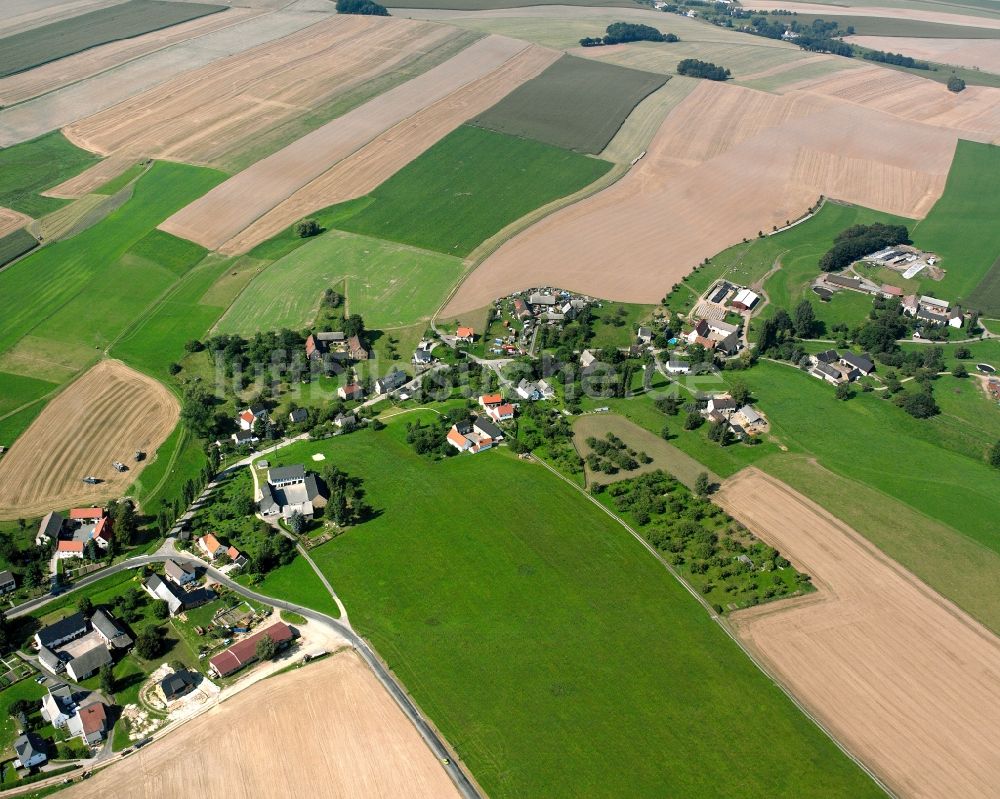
859, 240
695, 68
622, 32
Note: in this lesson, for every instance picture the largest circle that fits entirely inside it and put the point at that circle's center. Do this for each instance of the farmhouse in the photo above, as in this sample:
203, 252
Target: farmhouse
345, 420
501, 413
720, 292
487, 401
60, 632
474, 435
860, 362
105, 626
49, 659
544, 300
49, 529
714, 334
288, 490
7, 582
30, 750
244, 438
527, 390
826, 372
93, 723
210, 545
745, 300
179, 573
298, 416
87, 663
393, 380
826, 356
58, 705
72, 535
466, 334
244, 652
176, 599
675, 366
249, 417
644, 335
521, 310
356, 349
422, 357
320, 344
352, 391
587, 359
176, 685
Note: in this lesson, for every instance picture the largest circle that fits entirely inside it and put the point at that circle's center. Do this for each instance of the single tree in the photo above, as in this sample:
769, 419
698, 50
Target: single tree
805, 319
85, 606
693, 420
266, 648
107, 679
994, 457
960, 370
955, 84
161, 609
740, 393
702, 484
296, 523
149, 642
843, 391
306, 228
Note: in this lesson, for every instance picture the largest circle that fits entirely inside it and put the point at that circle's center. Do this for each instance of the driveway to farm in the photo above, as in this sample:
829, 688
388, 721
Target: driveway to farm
382, 673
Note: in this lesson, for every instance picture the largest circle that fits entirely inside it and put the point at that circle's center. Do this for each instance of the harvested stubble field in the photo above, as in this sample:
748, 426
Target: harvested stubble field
49, 77
365, 169
903, 677
898, 11
337, 733
221, 214
204, 115
78, 100
726, 163
31, 48
575, 103
976, 53
20, 15
105, 415
11, 221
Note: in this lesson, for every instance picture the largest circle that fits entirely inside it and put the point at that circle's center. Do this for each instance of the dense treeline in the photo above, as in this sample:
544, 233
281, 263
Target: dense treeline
694, 68
363, 7
622, 32
900, 60
859, 240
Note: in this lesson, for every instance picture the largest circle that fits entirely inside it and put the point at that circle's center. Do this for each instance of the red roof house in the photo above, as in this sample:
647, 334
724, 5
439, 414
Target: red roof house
244, 652
87, 513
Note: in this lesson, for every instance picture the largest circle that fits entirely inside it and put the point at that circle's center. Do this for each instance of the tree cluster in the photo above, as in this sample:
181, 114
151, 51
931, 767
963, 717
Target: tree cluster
622, 32
694, 68
956, 84
898, 59
363, 7
609, 454
346, 504
859, 240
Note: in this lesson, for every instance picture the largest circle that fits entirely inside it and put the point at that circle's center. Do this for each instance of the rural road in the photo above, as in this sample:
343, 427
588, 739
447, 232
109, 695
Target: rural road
396, 691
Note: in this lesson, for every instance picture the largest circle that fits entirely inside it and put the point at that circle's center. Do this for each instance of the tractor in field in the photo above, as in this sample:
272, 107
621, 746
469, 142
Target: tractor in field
89, 480
119, 466
139, 455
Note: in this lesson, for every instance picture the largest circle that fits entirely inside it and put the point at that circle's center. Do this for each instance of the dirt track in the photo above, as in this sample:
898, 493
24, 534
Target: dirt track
105, 415
232, 206
385, 155
728, 162
906, 680
326, 730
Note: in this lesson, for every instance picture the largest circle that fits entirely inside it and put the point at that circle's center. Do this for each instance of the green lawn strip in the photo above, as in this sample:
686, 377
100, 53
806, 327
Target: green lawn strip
962, 226
296, 582
52, 290
18, 390
923, 463
890, 26
605, 639
25, 689
616, 324
12, 426
36, 46
16, 244
389, 284
576, 103
469, 186
119, 182
29, 168
180, 458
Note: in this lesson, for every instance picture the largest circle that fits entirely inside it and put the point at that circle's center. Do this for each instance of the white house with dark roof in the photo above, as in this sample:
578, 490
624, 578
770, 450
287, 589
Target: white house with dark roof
288, 490
30, 750
7, 582
88, 662
58, 705
106, 627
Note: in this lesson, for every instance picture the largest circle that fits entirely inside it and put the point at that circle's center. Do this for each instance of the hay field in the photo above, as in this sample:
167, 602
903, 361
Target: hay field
105, 415
640, 127
21, 15
40, 115
329, 729
906, 680
31, 48
377, 161
93, 178
49, 77
11, 221
973, 53
203, 115
222, 213
727, 162
888, 9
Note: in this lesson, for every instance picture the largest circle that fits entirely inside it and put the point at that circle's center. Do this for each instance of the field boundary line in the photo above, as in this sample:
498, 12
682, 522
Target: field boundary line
725, 626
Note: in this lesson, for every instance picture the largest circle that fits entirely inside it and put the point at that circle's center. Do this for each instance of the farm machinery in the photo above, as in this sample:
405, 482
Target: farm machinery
119, 466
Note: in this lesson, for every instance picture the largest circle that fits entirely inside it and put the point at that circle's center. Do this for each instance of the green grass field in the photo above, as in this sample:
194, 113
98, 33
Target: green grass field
29, 168
31, 48
389, 284
18, 390
61, 311
962, 229
576, 103
16, 244
889, 26
467, 187
297, 583
545, 652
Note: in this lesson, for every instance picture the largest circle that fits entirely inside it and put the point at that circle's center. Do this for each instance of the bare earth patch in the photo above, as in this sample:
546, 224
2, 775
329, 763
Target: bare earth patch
972, 53
232, 206
328, 729
903, 678
11, 220
203, 115
48, 77
389, 152
728, 162
105, 415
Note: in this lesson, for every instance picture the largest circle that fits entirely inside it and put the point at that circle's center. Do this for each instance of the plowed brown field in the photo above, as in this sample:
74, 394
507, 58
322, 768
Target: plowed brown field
386, 154
51, 76
727, 162
902, 677
11, 220
232, 206
327, 730
105, 415
202, 115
